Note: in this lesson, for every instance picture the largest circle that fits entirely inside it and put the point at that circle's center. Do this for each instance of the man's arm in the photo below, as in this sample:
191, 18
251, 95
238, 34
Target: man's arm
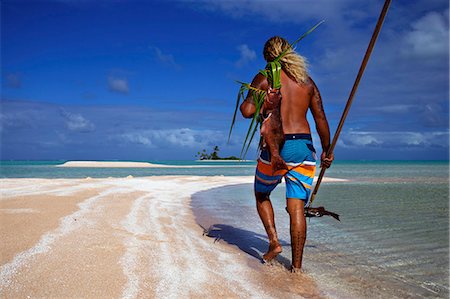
248, 107
322, 127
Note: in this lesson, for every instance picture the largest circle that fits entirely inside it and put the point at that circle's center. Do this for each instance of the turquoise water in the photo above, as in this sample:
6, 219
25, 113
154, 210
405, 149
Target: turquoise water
341, 169
48, 169
392, 241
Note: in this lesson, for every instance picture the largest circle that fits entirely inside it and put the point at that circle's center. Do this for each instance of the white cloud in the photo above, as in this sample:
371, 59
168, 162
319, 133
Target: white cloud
119, 85
353, 139
429, 35
137, 138
396, 108
76, 122
183, 137
364, 139
165, 58
246, 55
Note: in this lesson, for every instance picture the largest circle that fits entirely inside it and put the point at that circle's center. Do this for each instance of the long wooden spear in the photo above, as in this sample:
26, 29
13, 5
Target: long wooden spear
352, 94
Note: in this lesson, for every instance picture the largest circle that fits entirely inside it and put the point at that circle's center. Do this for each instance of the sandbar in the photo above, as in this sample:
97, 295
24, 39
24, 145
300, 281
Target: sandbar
125, 238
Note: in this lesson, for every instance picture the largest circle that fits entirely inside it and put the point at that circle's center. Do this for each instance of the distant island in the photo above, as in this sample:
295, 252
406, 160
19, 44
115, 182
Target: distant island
214, 155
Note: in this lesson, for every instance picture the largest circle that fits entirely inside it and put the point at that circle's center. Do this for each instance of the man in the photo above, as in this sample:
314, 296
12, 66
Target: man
299, 93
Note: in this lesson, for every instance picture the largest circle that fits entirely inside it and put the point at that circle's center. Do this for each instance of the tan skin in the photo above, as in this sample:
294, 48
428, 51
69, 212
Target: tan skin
297, 99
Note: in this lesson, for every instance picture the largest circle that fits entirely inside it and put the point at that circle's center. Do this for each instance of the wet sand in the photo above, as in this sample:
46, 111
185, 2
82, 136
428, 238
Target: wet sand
128, 238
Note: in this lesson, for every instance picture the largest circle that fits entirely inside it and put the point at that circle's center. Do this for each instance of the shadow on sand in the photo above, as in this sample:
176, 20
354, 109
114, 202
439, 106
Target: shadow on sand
255, 245
236, 198
249, 242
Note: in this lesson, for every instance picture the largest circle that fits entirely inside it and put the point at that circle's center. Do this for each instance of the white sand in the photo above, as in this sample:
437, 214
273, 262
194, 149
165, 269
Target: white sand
125, 237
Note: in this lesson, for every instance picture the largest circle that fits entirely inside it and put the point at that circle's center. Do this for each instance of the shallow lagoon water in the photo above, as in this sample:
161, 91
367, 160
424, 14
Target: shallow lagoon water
392, 241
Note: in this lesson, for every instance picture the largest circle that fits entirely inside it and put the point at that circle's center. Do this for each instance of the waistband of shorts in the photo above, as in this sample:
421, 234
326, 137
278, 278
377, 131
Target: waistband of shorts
297, 136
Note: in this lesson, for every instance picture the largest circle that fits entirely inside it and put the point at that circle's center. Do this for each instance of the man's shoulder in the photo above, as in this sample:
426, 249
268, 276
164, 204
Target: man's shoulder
310, 82
260, 81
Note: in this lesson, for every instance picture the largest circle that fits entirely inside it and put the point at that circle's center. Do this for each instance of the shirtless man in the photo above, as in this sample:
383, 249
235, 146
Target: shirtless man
299, 93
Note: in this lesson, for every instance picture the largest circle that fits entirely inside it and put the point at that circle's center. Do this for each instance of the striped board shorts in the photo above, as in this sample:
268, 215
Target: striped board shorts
299, 154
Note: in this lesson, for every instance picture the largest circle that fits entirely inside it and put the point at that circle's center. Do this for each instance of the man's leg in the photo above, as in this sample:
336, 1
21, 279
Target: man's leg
265, 211
295, 208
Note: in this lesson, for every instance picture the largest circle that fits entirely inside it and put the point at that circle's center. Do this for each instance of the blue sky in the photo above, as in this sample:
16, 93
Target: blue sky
154, 80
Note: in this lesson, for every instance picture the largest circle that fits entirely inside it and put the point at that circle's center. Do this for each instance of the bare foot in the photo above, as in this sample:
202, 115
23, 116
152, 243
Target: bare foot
297, 270
274, 250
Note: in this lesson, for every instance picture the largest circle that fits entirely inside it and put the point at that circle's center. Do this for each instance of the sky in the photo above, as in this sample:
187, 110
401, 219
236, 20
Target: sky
156, 80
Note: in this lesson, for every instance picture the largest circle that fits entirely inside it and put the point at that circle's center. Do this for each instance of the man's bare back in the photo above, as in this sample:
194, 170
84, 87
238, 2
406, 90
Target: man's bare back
297, 99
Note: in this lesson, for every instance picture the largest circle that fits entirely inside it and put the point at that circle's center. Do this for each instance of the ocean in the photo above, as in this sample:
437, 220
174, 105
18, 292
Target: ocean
48, 169
392, 240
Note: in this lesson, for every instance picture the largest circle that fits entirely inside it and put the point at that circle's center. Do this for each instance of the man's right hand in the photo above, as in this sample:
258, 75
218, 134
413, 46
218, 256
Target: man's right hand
326, 161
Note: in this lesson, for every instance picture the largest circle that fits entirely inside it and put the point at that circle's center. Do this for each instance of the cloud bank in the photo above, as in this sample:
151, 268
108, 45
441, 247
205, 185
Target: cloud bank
133, 132
181, 137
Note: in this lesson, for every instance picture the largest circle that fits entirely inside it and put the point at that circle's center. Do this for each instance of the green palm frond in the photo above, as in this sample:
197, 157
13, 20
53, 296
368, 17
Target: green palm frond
244, 153
263, 72
240, 95
259, 96
272, 72
299, 39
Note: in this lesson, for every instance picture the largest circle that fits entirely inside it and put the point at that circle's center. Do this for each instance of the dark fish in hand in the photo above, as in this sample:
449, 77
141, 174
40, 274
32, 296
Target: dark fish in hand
319, 212
272, 128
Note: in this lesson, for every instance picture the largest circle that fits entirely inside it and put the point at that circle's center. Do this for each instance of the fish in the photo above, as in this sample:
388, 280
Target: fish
319, 212
272, 128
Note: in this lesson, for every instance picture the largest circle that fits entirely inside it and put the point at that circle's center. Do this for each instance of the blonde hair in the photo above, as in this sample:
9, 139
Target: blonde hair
292, 63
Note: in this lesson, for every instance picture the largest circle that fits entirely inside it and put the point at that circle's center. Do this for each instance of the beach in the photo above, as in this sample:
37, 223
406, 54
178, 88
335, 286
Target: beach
192, 230
124, 238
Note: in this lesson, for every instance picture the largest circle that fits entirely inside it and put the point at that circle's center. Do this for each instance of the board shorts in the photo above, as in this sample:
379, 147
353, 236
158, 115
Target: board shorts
300, 156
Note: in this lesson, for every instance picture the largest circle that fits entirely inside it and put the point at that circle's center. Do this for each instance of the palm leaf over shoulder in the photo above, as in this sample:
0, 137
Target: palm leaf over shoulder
272, 72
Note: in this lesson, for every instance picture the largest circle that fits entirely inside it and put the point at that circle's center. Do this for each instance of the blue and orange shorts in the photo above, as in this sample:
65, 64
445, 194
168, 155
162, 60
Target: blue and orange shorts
299, 154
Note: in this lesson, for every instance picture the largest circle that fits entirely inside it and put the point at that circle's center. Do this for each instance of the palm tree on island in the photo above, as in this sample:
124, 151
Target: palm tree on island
203, 155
